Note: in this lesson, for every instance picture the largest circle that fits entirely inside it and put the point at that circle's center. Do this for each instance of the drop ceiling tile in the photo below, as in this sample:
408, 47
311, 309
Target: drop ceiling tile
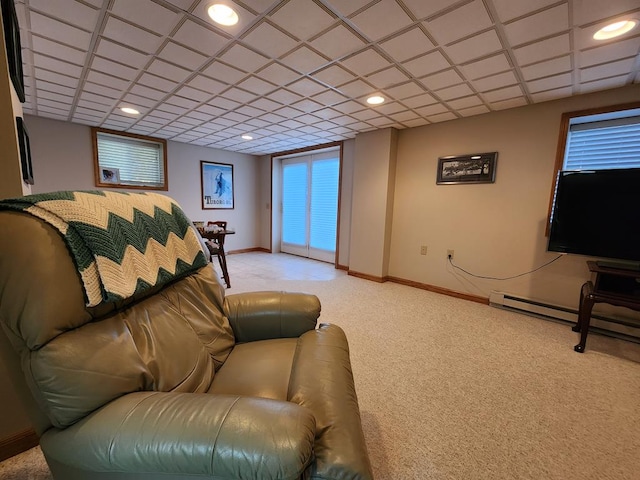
469, 112
75, 13
166, 70
329, 97
184, 102
611, 82
56, 78
307, 105
509, 103
99, 100
302, 18
52, 87
552, 94
475, 47
327, 113
224, 73
618, 50
278, 74
404, 116
304, 60
269, 40
465, 102
91, 106
210, 109
337, 42
207, 84
119, 53
408, 45
388, 77
156, 82
365, 62
334, 76
455, 91
244, 59
548, 68
258, 6
147, 92
503, 94
65, 99
199, 38
441, 80
194, 94
249, 111
58, 31
405, 90
112, 68
55, 65
442, 117
144, 41
388, 108
621, 67
137, 100
266, 104
365, 115
419, 100
549, 83
427, 64
348, 107
494, 82
487, 66
548, 22
586, 11
422, 8
256, 85
508, 9
454, 25
381, 19
57, 50
357, 88
147, 14
306, 87
543, 50
431, 110
284, 96
229, 103
107, 80
182, 56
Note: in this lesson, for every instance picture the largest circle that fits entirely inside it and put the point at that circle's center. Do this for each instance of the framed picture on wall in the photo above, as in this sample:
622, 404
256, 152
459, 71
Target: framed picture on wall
216, 180
14, 49
474, 168
25, 151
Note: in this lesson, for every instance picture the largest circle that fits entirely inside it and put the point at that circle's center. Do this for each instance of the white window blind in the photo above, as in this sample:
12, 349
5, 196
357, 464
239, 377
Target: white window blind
606, 144
139, 162
294, 203
324, 203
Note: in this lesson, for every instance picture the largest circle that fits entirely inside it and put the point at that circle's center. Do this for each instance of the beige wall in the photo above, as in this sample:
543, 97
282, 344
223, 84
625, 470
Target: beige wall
495, 229
63, 160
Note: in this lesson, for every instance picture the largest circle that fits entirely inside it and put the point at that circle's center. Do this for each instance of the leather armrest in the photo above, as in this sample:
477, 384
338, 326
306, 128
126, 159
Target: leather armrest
265, 315
224, 436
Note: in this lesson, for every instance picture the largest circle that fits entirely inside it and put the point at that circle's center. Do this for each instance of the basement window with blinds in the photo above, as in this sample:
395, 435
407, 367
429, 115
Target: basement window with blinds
598, 139
124, 160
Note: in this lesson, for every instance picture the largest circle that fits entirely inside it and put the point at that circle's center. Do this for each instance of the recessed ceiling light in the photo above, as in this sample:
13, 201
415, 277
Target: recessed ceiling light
375, 100
130, 110
615, 29
247, 137
222, 14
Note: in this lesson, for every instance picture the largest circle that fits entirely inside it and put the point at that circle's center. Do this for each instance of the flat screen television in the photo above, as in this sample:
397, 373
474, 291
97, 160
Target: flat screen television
597, 213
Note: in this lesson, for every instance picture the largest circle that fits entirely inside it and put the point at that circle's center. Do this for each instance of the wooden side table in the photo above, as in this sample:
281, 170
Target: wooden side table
615, 286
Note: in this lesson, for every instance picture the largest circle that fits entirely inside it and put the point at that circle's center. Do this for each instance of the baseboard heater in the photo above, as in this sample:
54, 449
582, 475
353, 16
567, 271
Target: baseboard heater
604, 325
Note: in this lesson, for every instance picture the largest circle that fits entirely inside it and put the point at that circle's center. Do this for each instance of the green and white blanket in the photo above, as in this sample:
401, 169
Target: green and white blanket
122, 243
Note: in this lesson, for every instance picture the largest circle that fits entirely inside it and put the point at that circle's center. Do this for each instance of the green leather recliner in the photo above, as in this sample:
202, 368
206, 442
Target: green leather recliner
179, 382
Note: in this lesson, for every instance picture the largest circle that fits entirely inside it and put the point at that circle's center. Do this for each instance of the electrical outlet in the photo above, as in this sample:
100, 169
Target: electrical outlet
423, 250
450, 254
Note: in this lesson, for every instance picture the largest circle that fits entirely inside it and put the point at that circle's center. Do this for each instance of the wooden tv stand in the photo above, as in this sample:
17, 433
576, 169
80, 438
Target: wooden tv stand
615, 286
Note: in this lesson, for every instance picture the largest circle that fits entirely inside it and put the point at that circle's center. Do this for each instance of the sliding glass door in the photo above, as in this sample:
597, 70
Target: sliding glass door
310, 205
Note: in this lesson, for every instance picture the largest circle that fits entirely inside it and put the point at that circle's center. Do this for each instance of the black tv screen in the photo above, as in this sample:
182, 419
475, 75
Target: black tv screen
597, 213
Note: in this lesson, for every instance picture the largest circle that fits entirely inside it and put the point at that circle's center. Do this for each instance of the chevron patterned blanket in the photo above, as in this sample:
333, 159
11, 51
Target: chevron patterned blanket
122, 243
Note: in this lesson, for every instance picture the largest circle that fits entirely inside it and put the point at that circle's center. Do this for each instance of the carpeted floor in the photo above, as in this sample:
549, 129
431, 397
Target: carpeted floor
451, 389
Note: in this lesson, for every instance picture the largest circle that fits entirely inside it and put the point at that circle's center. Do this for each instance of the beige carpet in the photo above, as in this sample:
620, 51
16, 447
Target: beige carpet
451, 389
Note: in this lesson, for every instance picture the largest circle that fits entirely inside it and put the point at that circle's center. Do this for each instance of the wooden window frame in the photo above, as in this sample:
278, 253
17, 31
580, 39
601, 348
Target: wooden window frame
96, 164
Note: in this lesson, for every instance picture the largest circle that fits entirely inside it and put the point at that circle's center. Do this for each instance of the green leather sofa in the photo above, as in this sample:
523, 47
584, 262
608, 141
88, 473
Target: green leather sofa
180, 382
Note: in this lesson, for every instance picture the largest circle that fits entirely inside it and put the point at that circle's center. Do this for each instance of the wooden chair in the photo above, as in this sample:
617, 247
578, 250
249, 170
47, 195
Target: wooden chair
216, 248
